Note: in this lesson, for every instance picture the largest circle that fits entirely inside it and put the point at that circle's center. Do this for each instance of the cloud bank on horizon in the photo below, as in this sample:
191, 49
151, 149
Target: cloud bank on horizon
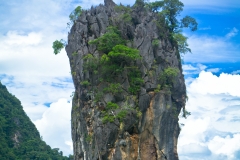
42, 81
212, 131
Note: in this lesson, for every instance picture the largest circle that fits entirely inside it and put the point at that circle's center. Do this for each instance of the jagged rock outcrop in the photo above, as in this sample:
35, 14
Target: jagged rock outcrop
150, 128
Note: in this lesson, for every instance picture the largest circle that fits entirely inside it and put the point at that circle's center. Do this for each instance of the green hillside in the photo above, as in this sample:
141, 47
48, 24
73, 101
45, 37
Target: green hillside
19, 138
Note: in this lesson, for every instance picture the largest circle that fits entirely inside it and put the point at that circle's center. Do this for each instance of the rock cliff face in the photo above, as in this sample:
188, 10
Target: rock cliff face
149, 128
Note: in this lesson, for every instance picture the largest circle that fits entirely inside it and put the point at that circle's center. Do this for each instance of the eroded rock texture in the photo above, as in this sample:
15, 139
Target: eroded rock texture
153, 134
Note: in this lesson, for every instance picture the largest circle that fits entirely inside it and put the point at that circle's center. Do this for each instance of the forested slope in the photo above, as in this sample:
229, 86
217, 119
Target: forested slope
19, 138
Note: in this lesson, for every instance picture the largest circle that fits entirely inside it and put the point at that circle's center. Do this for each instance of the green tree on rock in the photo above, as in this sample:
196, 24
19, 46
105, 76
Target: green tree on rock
106, 42
58, 46
74, 15
170, 10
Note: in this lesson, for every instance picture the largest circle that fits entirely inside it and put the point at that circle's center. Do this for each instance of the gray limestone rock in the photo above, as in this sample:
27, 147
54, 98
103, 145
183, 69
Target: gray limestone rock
150, 128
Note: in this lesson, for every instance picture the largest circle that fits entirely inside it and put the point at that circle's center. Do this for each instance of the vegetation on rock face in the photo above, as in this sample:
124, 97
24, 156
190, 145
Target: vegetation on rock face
114, 88
182, 43
85, 83
90, 63
189, 22
125, 13
110, 39
167, 78
168, 75
168, 10
135, 80
19, 138
58, 46
114, 112
115, 58
74, 15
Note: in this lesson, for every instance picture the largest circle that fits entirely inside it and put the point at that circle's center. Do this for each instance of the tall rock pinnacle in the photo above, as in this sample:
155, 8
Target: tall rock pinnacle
129, 86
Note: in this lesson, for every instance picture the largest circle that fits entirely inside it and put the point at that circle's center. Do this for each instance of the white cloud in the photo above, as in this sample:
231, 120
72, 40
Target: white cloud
201, 66
226, 146
232, 33
194, 148
209, 83
70, 144
190, 69
29, 68
38, 90
205, 28
55, 126
205, 3
193, 130
212, 131
213, 70
34, 111
35, 15
32, 54
15, 38
236, 72
211, 49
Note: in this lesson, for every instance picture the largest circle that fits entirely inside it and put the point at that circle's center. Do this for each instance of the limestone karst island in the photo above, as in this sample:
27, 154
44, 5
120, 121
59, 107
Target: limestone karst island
129, 87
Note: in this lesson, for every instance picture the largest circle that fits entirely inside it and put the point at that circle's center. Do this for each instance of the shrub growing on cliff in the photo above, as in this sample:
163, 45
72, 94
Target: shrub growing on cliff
139, 3
58, 46
168, 10
85, 83
89, 138
125, 13
114, 88
106, 42
90, 63
108, 113
166, 78
113, 113
155, 6
117, 57
123, 55
155, 43
189, 22
182, 43
135, 80
74, 15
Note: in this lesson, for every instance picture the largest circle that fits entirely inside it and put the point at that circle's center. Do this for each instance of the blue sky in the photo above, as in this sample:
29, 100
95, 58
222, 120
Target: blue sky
42, 81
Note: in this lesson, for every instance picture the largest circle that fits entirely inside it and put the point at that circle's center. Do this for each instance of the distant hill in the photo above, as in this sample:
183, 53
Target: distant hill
19, 138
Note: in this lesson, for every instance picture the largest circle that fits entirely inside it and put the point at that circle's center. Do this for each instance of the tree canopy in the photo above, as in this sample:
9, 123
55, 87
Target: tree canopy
58, 46
170, 10
75, 13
